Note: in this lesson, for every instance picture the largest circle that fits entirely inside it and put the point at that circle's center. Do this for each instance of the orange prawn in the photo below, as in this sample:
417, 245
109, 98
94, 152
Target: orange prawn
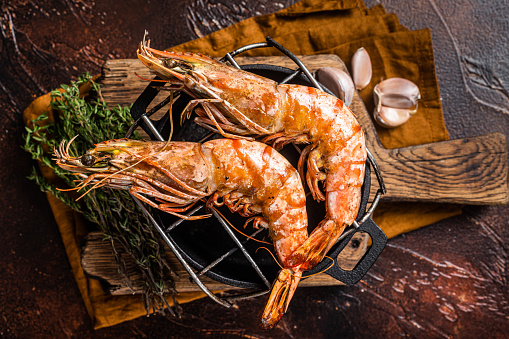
251, 178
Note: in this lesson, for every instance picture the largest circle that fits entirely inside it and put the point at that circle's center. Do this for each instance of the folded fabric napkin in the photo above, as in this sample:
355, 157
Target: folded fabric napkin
308, 27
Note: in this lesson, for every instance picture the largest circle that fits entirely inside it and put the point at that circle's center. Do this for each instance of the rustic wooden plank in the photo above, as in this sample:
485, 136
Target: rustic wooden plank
98, 261
463, 171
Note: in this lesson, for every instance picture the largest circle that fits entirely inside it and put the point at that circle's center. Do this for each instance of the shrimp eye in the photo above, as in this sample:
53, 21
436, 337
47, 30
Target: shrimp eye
170, 63
87, 160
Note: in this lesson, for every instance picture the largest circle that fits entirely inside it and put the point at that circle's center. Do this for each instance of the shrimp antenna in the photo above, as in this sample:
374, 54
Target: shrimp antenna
229, 223
170, 112
80, 185
171, 117
272, 255
76, 188
154, 80
69, 144
332, 264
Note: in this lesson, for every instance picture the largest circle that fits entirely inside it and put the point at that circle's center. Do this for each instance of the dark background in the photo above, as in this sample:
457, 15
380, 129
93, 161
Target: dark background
447, 279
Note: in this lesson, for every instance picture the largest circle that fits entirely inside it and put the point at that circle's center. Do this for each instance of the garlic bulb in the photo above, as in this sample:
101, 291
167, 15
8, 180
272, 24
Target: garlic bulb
338, 82
361, 68
397, 93
396, 101
392, 117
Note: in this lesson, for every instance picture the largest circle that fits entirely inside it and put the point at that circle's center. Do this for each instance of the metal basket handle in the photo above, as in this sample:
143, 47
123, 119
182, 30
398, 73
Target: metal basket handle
379, 240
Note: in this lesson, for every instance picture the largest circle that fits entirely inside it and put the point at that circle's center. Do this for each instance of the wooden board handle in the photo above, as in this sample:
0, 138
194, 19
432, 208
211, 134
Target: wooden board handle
465, 171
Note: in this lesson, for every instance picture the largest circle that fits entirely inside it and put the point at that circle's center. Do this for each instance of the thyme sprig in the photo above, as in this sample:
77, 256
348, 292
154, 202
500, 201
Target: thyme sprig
116, 214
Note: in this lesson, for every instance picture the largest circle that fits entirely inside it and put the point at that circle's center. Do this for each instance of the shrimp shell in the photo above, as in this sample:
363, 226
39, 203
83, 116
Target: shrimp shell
251, 178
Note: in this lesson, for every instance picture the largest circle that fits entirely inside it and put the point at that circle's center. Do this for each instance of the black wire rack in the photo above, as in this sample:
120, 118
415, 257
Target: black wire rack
156, 131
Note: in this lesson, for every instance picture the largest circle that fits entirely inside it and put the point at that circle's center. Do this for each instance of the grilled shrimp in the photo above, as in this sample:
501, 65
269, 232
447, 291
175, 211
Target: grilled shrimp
236, 103
250, 177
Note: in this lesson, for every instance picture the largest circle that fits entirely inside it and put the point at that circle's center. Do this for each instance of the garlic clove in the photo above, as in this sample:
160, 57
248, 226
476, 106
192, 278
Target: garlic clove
390, 117
397, 93
338, 82
361, 68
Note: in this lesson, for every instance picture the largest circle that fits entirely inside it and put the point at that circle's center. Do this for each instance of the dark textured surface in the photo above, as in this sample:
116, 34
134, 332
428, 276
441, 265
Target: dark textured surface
448, 279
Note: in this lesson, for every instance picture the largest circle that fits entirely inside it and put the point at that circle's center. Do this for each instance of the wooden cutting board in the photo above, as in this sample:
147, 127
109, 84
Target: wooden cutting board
98, 261
464, 171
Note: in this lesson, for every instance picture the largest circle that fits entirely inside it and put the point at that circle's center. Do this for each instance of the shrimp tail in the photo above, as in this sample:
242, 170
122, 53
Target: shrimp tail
281, 293
317, 245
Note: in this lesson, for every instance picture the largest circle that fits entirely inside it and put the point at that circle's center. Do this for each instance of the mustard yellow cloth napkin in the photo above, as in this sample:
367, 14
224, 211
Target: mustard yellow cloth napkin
308, 27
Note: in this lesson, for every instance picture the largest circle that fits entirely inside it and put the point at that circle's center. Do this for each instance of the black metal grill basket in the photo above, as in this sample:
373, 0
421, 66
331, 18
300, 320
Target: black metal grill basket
215, 246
